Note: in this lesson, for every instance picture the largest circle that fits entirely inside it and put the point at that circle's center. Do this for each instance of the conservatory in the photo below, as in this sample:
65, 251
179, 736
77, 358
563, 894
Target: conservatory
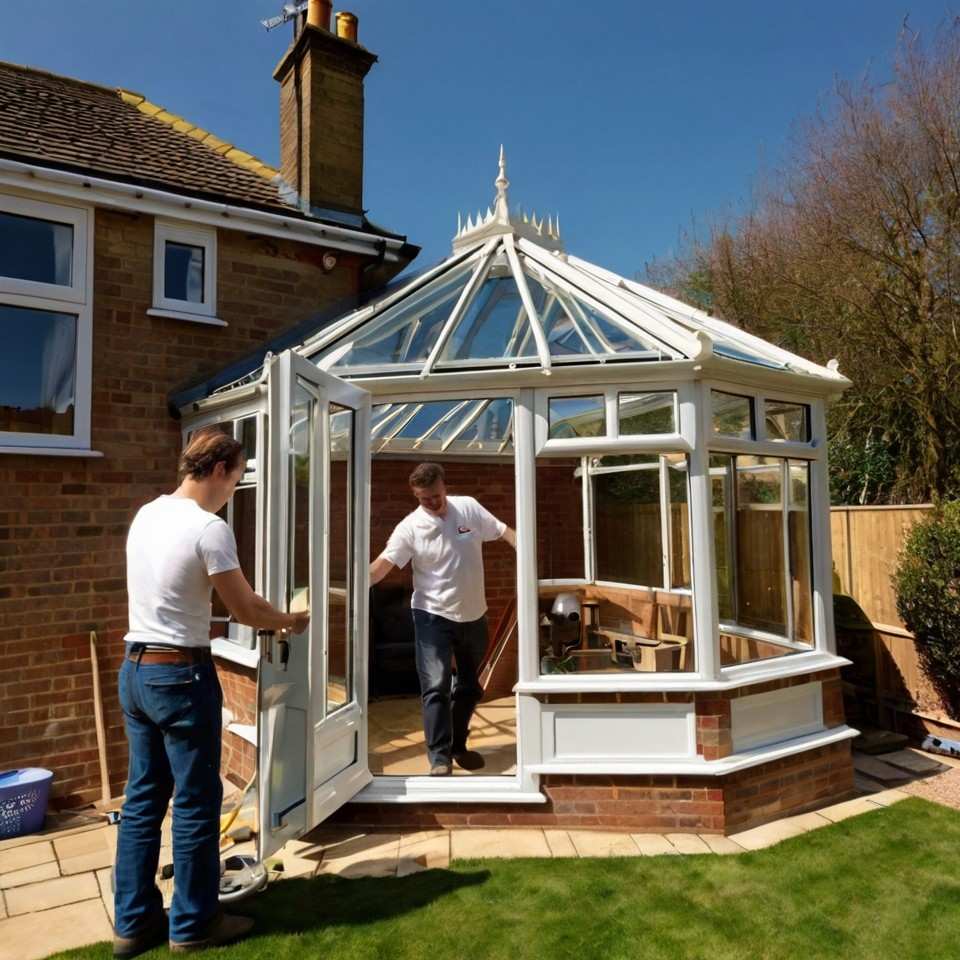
661, 641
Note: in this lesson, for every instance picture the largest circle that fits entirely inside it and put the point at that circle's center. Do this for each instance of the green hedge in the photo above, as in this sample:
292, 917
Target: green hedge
927, 583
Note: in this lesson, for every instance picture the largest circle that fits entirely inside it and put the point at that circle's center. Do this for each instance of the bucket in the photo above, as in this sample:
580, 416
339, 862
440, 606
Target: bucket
23, 800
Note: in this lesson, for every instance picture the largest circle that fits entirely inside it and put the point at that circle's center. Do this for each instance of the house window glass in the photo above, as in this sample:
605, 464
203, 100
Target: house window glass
645, 413
572, 417
37, 371
732, 415
37, 250
301, 437
183, 266
798, 528
787, 421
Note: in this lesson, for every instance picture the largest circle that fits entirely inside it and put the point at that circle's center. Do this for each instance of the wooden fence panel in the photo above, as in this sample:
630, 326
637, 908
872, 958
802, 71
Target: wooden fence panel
866, 544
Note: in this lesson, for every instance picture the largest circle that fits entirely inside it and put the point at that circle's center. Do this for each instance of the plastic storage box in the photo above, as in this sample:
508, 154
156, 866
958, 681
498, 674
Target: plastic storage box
23, 800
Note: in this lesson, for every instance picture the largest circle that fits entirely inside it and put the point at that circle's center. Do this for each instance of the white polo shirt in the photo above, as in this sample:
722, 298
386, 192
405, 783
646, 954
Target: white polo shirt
173, 547
447, 555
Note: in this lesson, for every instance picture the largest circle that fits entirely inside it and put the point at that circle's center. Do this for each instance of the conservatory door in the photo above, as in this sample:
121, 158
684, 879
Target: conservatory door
312, 751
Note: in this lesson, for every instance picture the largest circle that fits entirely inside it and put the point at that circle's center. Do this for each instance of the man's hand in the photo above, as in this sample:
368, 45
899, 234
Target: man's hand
299, 621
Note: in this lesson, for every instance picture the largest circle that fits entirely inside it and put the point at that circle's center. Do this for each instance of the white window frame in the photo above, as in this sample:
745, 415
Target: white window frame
77, 299
77, 218
195, 236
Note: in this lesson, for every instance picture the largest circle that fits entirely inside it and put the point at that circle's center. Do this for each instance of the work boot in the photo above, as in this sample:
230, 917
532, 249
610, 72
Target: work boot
440, 769
469, 760
149, 936
225, 928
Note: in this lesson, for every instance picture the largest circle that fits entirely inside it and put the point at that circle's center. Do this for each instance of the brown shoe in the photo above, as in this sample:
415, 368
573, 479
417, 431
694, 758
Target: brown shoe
150, 936
441, 770
226, 928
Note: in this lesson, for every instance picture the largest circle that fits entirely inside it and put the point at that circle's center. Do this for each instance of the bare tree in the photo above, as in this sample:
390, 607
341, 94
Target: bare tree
853, 251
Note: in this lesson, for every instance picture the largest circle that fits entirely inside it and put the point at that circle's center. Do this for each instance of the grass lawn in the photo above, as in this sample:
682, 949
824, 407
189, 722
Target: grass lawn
882, 885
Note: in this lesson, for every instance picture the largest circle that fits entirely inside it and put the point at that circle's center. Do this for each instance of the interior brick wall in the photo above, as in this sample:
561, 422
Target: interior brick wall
63, 521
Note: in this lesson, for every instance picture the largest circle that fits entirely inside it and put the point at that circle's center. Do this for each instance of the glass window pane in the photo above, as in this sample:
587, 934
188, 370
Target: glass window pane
801, 562
246, 433
721, 485
560, 545
761, 599
424, 419
787, 421
302, 411
562, 334
677, 474
183, 272
609, 334
37, 371
245, 529
627, 526
576, 417
489, 431
732, 415
643, 413
37, 250
340, 597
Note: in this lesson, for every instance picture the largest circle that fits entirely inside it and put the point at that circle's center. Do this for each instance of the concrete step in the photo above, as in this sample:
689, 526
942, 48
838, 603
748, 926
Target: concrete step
879, 770
914, 762
880, 741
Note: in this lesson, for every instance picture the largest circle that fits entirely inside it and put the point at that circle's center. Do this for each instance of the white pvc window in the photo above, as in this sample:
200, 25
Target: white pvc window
45, 325
185, 272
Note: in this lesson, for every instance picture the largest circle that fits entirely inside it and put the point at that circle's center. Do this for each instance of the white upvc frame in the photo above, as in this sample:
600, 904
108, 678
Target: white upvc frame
77, 300
193, 235
76, 217
611, 441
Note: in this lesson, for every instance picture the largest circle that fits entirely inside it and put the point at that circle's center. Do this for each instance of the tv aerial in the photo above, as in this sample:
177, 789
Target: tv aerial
288, 12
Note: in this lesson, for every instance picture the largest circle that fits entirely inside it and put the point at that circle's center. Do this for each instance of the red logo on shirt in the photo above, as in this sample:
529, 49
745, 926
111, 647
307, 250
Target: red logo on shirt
463, 529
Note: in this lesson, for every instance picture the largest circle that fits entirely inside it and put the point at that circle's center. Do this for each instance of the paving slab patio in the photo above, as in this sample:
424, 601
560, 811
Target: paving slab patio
55, 889
34, 936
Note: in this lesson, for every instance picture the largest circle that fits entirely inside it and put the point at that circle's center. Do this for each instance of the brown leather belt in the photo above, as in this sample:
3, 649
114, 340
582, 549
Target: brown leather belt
140, 654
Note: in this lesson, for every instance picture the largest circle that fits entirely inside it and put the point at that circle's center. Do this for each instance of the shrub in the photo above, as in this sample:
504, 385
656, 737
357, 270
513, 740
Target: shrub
927, 583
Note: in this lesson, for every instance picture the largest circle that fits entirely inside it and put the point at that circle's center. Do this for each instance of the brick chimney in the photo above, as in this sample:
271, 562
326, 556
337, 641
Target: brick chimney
321, 112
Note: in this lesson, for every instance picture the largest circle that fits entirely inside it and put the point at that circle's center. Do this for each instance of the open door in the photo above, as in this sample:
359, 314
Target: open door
312, 689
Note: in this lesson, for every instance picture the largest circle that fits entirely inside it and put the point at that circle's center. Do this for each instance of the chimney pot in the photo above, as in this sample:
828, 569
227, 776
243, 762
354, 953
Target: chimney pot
347, 26
318, 14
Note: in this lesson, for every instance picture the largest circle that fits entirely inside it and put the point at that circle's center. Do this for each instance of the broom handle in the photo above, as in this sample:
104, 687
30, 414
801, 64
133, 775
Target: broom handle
98, 718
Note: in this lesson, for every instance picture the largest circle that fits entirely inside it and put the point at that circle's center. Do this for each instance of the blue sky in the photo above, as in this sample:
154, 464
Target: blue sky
631, 119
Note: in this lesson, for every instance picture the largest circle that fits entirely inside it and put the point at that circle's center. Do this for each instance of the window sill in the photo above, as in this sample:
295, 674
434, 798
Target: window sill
182, 315
51, 451
227, 650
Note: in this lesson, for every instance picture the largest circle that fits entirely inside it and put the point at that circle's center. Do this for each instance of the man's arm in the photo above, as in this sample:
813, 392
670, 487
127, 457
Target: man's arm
250, 608
510, 536
379, 568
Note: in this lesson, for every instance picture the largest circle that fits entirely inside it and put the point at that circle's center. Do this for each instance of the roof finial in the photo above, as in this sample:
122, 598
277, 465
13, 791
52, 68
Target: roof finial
501, 209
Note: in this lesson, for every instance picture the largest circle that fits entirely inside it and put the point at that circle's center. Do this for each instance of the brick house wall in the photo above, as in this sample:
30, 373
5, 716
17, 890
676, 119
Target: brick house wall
63, 520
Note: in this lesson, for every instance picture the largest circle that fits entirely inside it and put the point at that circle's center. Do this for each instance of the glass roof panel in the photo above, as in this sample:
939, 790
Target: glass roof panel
425, 419
490, 430
610, 334
495, 323
407, 331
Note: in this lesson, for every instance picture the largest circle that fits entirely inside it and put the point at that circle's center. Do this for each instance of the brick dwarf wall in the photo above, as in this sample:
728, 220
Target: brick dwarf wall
660, 804
63, 521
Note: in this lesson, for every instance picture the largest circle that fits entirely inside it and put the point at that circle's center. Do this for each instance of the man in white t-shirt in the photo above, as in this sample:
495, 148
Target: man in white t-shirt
444, 538
178, 549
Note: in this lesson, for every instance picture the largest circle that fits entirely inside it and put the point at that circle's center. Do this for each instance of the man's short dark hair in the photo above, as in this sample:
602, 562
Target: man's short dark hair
207, 448
426, 475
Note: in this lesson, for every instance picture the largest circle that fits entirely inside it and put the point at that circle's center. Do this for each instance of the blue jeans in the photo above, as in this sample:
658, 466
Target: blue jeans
173, 720
447, 710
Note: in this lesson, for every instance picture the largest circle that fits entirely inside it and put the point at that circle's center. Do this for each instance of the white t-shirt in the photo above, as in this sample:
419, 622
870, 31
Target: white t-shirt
447, 555
172, 548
